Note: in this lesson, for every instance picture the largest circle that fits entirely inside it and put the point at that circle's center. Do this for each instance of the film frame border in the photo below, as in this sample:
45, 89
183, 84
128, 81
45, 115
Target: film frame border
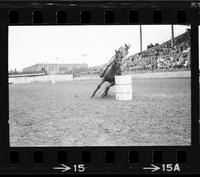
30, 159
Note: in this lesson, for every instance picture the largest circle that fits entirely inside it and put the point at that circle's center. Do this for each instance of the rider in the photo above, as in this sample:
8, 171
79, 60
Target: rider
124, 52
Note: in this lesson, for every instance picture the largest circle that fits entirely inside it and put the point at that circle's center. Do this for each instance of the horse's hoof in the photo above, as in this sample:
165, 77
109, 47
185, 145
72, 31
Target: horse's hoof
92, 96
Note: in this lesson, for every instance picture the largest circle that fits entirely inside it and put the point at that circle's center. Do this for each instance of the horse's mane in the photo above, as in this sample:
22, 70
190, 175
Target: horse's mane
114, 61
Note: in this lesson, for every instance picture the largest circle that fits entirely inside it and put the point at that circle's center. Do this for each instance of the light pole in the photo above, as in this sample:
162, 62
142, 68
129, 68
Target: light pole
57, 70
172, 32
140, 38
47, 65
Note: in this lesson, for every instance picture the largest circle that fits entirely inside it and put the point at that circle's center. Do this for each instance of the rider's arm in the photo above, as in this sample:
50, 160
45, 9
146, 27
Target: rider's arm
109, 63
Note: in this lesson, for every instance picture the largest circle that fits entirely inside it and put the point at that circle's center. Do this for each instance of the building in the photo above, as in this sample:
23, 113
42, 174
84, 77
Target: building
53, 69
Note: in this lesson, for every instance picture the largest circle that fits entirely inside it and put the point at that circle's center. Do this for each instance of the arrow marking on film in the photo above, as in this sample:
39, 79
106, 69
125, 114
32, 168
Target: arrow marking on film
63, 168
152, 168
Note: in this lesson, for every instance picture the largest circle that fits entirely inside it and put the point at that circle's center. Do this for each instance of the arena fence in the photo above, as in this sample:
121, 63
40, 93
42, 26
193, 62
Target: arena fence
55, 78
46, 78
171, 74
145, 75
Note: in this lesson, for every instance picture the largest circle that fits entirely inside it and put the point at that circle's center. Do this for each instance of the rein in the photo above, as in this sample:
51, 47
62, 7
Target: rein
115, 62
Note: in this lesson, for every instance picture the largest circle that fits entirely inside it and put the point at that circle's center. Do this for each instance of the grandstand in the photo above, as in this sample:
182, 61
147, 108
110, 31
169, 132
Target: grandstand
160, 57
163, 56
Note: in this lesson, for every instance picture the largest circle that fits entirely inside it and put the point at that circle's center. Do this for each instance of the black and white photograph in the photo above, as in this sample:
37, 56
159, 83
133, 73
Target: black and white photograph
99, 85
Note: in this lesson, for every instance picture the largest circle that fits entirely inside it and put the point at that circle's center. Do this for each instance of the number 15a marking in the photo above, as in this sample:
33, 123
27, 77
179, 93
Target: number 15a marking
171, 167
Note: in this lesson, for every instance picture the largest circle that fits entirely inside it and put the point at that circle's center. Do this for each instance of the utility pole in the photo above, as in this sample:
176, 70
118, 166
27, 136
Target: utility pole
47, 66
172, 32
140, 38
57, 66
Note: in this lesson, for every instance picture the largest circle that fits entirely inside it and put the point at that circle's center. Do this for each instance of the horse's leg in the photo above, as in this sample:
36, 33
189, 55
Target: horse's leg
98, 87
107, 88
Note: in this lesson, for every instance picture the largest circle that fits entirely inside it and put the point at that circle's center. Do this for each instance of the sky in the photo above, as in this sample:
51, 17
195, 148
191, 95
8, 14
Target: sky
93, 45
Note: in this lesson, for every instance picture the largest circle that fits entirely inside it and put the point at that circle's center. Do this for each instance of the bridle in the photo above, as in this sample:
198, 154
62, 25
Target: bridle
115, 63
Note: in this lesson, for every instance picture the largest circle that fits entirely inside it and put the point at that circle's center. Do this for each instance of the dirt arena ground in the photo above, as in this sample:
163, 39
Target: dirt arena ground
63, 114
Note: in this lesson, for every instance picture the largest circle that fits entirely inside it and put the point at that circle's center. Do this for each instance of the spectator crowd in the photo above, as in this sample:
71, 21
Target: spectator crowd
163, 56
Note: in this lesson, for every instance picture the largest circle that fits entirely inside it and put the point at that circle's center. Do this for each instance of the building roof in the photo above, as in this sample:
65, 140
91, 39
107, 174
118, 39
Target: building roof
57, 64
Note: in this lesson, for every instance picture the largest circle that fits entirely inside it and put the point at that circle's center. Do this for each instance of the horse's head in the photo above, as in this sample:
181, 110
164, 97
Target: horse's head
118, 54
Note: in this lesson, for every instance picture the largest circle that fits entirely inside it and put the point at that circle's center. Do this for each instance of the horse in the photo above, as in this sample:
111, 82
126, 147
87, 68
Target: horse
109, 76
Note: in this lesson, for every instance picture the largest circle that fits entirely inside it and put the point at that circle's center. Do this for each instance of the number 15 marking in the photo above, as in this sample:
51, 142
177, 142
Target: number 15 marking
79, 168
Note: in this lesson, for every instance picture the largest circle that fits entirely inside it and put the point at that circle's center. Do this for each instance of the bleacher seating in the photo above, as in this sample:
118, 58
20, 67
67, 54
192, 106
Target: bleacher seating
158, 57
163, 56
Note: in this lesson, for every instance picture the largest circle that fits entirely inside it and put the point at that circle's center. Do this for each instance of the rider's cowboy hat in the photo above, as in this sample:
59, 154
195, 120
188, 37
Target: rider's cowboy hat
127, 45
